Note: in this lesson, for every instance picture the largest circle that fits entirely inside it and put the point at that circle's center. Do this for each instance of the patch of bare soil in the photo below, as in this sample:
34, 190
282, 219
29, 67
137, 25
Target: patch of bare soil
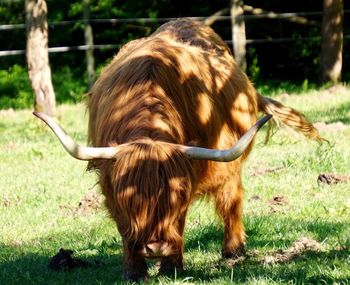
336, 89
9, 201
7, 112
332, 127
254, 198
278, 200
231, 262
300, 246
88, 204
297, 249
266, 170
276, 203
331, 178
16, 243
282, 97
10, 146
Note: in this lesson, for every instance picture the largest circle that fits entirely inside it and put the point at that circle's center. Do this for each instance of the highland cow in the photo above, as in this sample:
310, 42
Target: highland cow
160, 116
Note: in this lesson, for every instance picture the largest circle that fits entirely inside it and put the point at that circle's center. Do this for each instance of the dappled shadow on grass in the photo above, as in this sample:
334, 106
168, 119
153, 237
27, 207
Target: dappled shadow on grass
265, 239
208, 237
307, 268
28, 264
319, 229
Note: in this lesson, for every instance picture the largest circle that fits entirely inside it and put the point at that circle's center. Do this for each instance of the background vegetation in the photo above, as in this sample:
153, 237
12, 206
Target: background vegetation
293, 61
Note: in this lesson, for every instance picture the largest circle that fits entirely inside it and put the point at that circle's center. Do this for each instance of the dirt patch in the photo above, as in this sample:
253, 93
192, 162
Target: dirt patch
332, 127
331, 178
9, 201
300, 246
266, 170
231, 262
282, 97
276, 204
278, 201
11, 146
254, 198
16, 243
336, 89
88, 204
7, 112
297, 249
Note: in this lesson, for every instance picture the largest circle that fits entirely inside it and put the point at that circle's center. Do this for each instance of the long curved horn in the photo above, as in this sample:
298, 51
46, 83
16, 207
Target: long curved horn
75, 150
89, 153
226, 155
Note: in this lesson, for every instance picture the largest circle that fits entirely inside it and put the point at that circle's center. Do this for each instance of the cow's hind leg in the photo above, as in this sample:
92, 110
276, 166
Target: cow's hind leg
228, 200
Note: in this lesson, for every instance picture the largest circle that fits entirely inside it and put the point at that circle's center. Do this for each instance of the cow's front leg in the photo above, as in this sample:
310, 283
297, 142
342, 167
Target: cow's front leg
135, 266
169, 264
229, 206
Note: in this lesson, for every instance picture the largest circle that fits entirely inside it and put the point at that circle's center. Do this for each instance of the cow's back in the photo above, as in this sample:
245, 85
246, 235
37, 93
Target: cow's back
193, 33
181, 85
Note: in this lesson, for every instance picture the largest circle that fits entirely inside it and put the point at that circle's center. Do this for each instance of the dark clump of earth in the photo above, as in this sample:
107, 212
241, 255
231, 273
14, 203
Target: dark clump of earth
330, 178
64, 260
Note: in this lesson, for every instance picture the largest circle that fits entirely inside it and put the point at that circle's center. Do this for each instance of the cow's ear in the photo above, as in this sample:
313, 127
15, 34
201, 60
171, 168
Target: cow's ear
87, 95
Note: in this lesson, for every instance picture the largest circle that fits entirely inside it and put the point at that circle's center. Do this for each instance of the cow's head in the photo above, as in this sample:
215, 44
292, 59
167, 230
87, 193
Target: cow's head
152, 187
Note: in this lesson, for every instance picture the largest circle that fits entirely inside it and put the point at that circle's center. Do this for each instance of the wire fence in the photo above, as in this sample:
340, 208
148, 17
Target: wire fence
268, 15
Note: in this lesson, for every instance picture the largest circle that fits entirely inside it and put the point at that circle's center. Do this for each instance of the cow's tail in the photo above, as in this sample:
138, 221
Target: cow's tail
288, 117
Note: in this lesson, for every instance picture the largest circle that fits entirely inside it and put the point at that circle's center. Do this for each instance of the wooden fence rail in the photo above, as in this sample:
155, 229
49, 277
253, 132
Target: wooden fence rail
238, 42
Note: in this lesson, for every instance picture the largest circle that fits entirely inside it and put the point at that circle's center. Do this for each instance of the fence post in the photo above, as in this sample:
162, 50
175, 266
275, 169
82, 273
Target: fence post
238, 33
38, 57
89, 41
332, 41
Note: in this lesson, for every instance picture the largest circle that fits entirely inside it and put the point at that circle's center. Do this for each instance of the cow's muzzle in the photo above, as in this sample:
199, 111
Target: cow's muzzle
157, 249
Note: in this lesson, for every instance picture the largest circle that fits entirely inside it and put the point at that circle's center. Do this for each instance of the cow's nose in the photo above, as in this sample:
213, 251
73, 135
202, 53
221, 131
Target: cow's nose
157, 249
154, 247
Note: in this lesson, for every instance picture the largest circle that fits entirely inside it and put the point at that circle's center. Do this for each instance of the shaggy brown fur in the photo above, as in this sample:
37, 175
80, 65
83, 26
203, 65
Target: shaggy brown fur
180, 85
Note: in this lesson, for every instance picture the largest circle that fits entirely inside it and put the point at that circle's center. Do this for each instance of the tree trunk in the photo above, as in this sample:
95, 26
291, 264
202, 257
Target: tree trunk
238, 33
38, 56
332, 40
89, 41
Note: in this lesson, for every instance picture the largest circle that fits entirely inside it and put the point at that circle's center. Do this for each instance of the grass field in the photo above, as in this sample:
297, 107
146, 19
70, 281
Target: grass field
298, 229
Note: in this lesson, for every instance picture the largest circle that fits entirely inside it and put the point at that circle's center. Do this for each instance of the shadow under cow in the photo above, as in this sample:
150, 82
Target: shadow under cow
28, 264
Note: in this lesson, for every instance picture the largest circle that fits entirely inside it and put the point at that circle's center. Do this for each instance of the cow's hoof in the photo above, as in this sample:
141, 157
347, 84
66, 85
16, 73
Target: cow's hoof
240, 251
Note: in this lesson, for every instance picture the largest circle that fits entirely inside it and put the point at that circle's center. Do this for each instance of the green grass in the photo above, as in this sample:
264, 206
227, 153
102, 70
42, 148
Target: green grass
40, 183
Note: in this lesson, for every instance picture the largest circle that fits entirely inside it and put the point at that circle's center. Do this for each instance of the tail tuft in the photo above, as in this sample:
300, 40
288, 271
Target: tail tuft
289, 117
